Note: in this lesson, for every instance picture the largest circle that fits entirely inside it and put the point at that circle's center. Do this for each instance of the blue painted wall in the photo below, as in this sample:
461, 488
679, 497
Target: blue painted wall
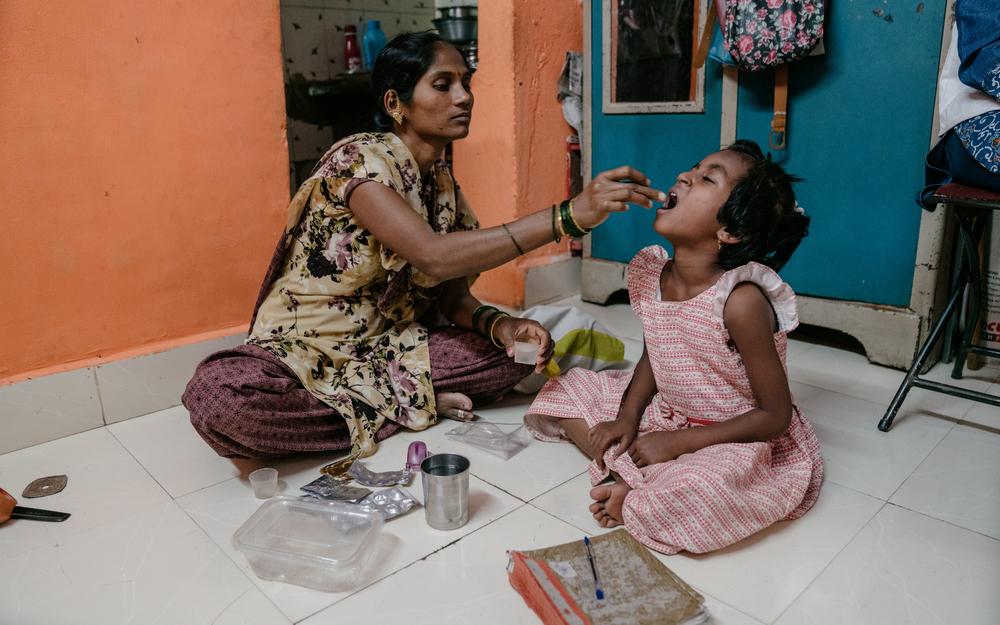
860, 120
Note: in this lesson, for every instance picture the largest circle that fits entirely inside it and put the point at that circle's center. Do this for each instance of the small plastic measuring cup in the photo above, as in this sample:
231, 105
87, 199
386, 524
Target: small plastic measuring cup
525, 353
264, 483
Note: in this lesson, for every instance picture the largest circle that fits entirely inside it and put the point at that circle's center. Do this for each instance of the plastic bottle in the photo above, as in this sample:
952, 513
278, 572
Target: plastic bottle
374, 41
352, 54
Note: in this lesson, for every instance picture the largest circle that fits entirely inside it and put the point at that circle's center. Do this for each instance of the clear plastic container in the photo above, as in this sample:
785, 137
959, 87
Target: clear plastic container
324, 545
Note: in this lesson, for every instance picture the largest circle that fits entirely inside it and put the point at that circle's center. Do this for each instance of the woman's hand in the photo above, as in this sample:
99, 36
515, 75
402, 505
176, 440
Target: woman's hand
510, 329
611, 192
657, 447
622, 430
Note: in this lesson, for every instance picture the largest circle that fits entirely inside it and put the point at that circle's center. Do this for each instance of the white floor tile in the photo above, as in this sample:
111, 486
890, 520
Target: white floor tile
905, 568
723, 614
985, 415
105, 485
763, 574
154, 568
958, 482
855, 453
759, 576
797, 348
570, 502
851, 374
464, 583
252, 608
168, 447
221, 509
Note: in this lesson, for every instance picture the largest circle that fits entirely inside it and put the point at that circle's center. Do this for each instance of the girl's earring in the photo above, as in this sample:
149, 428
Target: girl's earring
720, 244
398, 116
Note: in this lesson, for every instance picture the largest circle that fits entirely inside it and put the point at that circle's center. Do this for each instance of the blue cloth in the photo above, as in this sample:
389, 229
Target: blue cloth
979, 44
981, 138
979, 52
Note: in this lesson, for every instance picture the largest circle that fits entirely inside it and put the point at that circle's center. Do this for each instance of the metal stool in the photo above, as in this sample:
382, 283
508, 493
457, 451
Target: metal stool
972, 209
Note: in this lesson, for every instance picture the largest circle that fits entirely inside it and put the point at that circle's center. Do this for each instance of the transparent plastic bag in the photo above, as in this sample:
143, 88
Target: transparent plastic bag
489, 437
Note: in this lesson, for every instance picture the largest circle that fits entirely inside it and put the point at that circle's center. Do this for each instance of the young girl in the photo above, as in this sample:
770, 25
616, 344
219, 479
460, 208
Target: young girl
702, 439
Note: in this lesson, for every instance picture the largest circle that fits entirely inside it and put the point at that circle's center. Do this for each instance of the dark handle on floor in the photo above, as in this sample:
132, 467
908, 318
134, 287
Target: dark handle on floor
34, 514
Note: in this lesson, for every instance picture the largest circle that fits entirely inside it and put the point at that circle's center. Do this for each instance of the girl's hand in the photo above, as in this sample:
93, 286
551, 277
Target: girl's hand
611, 192
510, 329
656, 447
603, 435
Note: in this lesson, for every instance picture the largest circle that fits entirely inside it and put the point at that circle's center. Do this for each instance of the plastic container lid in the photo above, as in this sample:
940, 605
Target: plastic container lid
374, 24
318, 544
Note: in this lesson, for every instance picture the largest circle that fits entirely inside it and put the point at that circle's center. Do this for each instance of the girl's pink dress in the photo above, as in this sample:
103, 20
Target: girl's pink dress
720, 494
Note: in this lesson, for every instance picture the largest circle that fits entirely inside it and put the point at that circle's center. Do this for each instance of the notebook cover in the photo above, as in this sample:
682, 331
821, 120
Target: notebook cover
557, 583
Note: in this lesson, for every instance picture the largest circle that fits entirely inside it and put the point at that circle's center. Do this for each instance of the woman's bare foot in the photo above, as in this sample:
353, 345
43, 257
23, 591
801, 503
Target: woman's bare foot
454, 406
608, 501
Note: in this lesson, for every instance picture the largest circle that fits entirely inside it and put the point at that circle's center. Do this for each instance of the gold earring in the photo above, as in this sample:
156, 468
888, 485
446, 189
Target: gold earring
720, 244
396, 115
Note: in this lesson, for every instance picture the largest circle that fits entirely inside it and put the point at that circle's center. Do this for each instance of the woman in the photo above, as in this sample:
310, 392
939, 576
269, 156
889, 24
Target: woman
344, 346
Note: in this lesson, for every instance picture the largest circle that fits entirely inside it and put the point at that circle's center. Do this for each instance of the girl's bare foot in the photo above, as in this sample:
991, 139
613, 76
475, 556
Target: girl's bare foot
608, 501
545, 425
454, 406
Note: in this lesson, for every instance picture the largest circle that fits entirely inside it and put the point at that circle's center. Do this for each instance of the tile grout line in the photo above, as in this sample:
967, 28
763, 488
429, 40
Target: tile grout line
201, 529
100, 396
236, 564
413, 562
570, 523
829, 564
141, 465
922, 461
945, 521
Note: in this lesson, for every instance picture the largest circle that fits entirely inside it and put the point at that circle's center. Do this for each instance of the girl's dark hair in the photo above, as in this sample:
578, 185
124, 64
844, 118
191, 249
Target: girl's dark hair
761, 211
399, 66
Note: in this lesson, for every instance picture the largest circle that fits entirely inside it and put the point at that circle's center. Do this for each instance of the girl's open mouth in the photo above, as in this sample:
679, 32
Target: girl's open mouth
670, 203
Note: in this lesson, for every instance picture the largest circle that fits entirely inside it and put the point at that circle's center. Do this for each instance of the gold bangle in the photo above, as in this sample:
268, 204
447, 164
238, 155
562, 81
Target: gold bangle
573, 219
493, 325
556, 236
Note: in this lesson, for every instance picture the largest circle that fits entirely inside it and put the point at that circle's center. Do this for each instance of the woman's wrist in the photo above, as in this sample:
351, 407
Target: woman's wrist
568, 220
494, 327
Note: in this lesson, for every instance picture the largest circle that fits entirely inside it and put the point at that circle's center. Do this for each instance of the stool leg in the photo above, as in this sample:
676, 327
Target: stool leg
918, 364
951, 333
970, 242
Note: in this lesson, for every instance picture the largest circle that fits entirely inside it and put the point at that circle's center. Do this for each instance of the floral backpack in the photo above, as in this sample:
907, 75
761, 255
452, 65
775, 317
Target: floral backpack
758, 34
766, 33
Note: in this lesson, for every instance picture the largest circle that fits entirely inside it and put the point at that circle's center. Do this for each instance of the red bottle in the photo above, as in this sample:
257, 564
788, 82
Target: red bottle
352, 53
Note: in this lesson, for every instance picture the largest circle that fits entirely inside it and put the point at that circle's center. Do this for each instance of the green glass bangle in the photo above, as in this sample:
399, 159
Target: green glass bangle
488, 320
479, 313
567, 222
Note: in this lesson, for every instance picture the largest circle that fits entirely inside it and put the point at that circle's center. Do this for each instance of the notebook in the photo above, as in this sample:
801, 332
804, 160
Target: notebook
558, 584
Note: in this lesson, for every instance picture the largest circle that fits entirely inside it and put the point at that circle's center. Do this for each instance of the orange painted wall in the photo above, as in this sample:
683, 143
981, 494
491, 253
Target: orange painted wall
144, 174
514, 161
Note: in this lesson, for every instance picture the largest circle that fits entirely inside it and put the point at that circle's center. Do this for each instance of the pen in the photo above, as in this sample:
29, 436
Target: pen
599, 592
